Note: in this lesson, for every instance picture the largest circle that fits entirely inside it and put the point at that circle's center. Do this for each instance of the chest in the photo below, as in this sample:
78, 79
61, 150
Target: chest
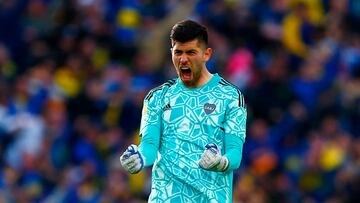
188, 110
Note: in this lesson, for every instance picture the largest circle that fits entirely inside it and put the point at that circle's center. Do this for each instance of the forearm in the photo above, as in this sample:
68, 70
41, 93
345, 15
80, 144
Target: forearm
233, 151
149, 144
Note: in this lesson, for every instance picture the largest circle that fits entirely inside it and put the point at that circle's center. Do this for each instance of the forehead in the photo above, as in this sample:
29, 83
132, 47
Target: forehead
193, 44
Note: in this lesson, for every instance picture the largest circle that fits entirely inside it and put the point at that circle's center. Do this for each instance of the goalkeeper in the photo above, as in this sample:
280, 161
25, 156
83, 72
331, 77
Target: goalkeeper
192, 128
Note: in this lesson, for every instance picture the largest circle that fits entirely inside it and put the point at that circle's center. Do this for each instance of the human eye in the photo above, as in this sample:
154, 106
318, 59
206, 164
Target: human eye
177, 52
191, 52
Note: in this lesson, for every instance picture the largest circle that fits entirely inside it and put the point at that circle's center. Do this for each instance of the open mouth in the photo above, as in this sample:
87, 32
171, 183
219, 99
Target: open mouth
185, 73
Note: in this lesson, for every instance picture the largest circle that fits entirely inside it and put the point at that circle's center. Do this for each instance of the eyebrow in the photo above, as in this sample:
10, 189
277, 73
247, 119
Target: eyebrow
189, 50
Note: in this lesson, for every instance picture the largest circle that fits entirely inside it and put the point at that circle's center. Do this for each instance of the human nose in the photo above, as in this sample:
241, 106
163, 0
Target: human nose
183, 59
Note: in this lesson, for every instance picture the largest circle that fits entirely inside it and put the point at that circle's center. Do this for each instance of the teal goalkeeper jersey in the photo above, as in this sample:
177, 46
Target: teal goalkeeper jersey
177, 122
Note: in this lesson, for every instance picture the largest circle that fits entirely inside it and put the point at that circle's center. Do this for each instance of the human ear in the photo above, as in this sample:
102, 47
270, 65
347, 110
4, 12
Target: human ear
207, 54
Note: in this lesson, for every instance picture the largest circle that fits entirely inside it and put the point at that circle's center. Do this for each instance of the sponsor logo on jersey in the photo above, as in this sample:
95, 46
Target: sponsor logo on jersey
209, 108
144, 111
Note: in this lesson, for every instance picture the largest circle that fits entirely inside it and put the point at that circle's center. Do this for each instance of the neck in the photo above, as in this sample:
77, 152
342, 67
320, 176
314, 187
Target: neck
204, 78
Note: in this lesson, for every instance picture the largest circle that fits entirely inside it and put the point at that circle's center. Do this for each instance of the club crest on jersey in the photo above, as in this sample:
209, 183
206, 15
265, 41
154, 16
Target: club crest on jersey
209, 108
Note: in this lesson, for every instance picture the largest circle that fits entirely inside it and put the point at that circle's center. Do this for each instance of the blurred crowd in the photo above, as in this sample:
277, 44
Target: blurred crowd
73, 75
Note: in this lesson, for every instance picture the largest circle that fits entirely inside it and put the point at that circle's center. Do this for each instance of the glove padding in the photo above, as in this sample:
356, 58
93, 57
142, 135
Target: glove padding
212, 160
131, 160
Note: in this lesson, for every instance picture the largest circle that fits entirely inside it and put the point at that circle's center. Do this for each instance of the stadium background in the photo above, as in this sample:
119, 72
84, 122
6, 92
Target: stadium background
73, 74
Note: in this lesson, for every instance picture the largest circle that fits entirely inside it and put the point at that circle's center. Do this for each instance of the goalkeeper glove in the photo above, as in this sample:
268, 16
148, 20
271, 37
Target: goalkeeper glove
212, 160
131, 160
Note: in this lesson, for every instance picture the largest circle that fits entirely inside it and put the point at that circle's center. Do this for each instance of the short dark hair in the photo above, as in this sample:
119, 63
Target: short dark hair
187, 30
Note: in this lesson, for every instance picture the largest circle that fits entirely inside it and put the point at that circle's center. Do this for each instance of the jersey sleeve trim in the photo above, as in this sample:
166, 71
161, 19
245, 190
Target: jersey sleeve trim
240, 95
169, 83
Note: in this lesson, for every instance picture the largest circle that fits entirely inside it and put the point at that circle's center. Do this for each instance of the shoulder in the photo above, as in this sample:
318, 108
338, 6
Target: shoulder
159, 91
232, 91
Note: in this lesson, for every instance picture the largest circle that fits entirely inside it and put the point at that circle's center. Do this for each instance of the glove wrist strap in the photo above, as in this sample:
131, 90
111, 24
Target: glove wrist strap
223, 165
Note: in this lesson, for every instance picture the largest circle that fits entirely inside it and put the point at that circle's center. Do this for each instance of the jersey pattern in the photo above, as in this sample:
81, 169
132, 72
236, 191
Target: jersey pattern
190, 119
